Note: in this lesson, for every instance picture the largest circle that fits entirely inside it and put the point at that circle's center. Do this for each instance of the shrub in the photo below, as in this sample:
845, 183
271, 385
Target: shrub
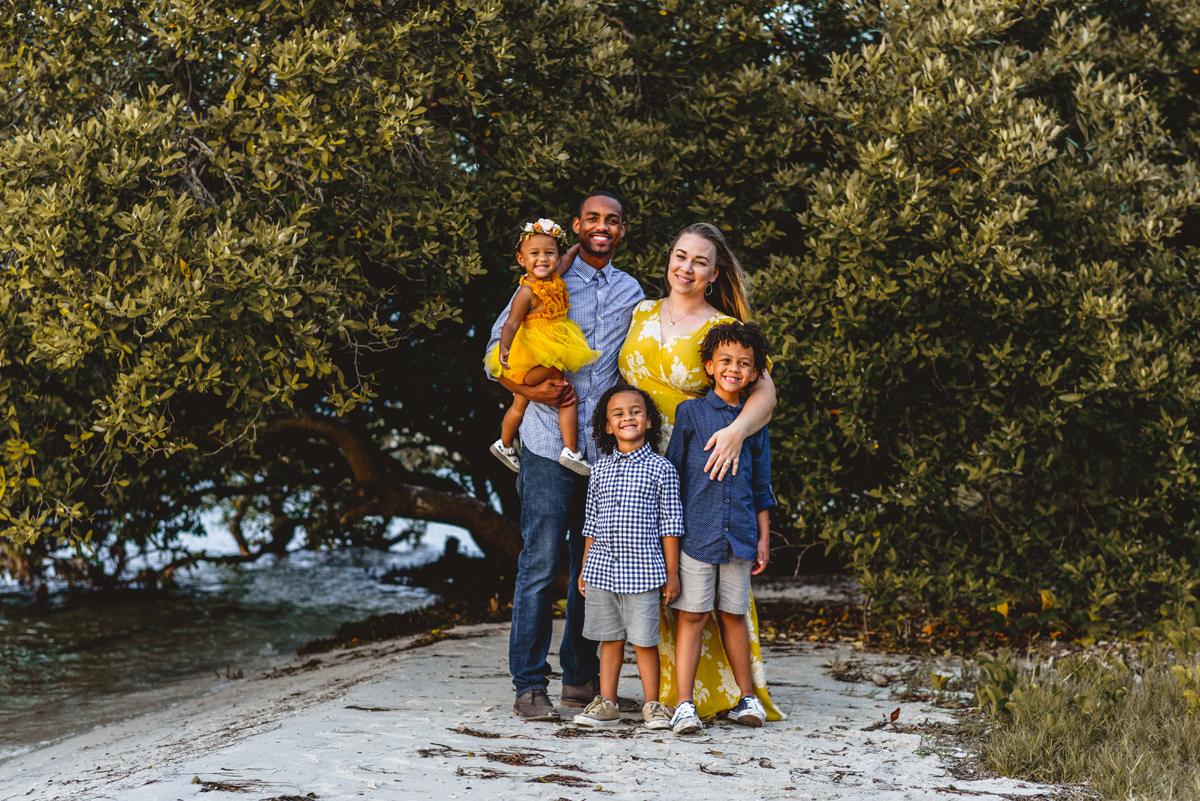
988, 347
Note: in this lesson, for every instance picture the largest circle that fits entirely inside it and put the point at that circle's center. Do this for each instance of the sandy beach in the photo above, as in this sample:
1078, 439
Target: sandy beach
430, 718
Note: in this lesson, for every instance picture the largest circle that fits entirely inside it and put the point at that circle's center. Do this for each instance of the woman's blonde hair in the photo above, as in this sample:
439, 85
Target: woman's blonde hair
730, 290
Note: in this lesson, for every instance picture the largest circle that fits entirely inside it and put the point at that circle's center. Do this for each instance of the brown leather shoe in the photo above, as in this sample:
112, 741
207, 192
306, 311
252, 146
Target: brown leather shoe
535, 705
583, 694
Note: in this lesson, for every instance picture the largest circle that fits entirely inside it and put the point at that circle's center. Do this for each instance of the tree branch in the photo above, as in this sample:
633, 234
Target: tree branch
380, 494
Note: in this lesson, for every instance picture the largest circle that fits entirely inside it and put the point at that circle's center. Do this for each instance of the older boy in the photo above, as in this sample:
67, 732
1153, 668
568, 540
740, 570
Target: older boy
727, 537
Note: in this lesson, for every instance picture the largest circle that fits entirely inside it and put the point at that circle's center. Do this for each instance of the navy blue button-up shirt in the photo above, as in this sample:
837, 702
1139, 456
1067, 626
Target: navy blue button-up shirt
632, 503
720, 517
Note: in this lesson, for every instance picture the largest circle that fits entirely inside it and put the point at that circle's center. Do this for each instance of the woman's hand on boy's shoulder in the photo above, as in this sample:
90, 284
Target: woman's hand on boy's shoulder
726, 449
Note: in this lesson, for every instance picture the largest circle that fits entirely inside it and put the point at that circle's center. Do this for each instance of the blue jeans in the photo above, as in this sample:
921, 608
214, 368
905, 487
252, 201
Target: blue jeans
552, 503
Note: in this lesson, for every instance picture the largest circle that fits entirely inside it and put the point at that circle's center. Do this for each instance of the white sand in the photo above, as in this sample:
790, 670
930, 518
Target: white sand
382, 722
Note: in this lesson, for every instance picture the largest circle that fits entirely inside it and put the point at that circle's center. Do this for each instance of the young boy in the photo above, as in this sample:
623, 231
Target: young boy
727, 539
631, 527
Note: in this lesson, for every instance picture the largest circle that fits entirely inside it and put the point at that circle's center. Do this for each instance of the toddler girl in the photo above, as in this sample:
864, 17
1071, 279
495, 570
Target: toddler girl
538, 341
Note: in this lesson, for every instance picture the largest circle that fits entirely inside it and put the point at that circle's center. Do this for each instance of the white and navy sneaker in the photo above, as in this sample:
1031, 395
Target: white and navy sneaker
506, 455
685, 720
748, 712
574, 460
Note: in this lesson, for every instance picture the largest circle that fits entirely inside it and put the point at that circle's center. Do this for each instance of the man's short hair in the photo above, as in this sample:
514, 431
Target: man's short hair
600, 193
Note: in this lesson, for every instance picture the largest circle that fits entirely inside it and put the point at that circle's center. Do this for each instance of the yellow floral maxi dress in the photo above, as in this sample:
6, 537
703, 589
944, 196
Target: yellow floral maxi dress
671, 371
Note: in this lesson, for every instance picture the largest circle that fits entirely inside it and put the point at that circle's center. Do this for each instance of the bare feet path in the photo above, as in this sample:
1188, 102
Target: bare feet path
394, 721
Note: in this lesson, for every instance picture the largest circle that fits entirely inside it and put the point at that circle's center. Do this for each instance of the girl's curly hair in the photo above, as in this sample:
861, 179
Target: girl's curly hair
748, 335
606, 441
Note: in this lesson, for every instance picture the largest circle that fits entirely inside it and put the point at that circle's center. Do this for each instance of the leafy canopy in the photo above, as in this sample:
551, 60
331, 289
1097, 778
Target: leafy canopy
252, 252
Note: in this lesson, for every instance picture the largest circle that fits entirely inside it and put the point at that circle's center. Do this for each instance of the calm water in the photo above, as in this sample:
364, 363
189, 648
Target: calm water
87, 659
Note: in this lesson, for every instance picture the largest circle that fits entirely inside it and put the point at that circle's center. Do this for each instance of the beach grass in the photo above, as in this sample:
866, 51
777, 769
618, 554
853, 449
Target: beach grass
1125, 724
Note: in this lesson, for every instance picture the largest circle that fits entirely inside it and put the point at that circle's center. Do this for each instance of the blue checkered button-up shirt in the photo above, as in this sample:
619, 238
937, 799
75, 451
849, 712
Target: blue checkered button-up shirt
632, 503
720, 516
602, 303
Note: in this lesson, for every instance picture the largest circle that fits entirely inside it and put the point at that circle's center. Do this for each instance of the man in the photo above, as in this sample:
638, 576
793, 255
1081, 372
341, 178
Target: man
552, 497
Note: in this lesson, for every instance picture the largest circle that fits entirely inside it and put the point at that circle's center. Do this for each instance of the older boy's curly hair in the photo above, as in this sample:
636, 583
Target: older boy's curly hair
748, 335
606, 441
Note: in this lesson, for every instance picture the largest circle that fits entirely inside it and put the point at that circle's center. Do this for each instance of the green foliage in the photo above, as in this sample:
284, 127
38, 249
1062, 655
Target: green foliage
213, 213
1190, 679
1000, 672
993, 325
966, 224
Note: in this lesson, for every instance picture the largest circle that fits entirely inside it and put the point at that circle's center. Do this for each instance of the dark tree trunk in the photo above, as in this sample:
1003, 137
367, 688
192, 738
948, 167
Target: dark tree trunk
379, 494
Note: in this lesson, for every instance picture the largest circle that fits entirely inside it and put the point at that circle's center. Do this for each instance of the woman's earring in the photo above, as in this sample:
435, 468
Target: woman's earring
708, 289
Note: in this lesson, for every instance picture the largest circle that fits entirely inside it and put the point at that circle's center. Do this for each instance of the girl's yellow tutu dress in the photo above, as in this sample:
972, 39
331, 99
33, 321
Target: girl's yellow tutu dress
548, 338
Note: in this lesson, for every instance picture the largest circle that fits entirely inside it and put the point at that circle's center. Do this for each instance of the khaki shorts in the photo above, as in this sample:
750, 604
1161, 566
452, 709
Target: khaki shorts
609, 616
700, 584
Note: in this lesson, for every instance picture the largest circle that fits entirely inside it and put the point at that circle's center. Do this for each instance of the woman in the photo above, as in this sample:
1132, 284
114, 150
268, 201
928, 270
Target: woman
661, 355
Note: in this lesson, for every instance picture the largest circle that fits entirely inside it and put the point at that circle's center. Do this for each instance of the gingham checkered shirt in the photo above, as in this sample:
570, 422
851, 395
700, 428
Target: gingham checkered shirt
632, 503
722, 516
602, 303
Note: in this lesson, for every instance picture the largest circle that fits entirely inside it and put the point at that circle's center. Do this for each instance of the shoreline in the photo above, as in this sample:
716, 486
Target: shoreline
54, 719
430, 717
85, 656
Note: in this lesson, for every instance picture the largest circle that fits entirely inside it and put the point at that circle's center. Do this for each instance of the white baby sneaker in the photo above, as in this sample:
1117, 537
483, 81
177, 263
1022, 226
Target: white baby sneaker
507, 455
573, 460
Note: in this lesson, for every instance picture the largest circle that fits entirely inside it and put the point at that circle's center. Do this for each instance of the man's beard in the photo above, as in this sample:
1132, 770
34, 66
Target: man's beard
586, 248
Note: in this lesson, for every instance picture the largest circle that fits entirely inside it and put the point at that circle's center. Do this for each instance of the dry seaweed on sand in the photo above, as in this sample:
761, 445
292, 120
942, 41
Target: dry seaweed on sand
952, 790
438, 751
528, 759
226, 787
706, 769
480, 773
560, 778
851, 672
570, 732
231, 786
522, 759
467, 730
289, 670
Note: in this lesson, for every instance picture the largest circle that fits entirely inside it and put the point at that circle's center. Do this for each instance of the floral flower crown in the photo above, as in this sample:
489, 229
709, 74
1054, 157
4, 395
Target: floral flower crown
542, 226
